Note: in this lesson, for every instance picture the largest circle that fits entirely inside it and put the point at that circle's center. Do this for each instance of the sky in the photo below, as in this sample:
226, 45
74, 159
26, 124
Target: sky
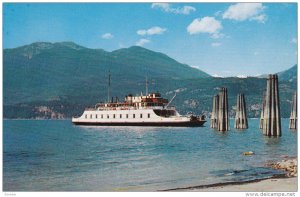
222, 39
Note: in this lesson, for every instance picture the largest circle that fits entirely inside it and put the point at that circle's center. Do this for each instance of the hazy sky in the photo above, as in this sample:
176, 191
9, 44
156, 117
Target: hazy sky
224, 39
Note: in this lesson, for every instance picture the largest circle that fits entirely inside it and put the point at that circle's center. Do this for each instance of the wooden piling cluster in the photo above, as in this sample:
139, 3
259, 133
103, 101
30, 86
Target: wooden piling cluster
223, 118
241, 121
271, 112
220, 118
293, 118
262, 114
214, 114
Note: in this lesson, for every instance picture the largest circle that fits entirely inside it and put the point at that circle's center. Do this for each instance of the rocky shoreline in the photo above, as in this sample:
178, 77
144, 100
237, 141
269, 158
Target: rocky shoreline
287, 181
289, 165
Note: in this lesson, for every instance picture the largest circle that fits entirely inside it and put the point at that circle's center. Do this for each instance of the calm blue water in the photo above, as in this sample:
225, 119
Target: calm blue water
53, 155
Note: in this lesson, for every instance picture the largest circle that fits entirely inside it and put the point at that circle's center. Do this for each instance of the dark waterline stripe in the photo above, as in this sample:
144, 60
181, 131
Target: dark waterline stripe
165, 124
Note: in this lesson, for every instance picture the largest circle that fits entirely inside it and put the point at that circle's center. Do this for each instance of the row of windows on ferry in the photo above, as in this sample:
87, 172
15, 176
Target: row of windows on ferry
113, 116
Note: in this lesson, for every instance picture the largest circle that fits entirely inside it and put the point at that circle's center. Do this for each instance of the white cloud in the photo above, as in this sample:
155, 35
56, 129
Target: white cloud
217, 35
152, 31
186, 10
246, 11
218, 13
260, 18
107, 36
166, 7
216, 44
205, 25
142, 42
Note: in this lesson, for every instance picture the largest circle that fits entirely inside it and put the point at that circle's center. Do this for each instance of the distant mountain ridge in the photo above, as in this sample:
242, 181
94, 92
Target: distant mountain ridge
289, 74
286, 75
58, 80
64, 67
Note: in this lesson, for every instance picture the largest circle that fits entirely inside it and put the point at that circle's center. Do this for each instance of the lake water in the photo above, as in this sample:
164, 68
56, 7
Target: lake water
54, 155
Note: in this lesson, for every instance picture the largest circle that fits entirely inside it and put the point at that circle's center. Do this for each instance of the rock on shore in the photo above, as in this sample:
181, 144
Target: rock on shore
288, 165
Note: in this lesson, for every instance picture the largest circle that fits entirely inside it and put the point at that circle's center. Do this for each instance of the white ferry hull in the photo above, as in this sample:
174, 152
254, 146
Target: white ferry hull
138, 117
159, 124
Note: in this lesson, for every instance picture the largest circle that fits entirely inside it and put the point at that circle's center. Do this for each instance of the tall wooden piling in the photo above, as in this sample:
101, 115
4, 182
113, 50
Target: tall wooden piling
241, 121
272, 121
223, 119
262, 114
214, 114
293, 118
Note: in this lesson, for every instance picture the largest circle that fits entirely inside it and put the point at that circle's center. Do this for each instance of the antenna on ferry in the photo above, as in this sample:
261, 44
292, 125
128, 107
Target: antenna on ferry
108, 91
146, 86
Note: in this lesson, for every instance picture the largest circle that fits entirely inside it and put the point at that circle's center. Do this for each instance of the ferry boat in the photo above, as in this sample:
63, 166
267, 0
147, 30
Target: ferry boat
144, 110
149, 110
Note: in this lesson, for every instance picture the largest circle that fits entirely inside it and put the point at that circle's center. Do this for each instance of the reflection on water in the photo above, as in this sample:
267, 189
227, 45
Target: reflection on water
58, 156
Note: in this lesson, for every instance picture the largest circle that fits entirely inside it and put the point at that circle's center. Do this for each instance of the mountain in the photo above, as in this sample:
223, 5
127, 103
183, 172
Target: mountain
286, 75
58, 80
289, 75
44, 71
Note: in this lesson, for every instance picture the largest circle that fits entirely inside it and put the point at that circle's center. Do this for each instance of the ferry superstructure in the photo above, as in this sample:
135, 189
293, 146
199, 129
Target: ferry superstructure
143, 110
